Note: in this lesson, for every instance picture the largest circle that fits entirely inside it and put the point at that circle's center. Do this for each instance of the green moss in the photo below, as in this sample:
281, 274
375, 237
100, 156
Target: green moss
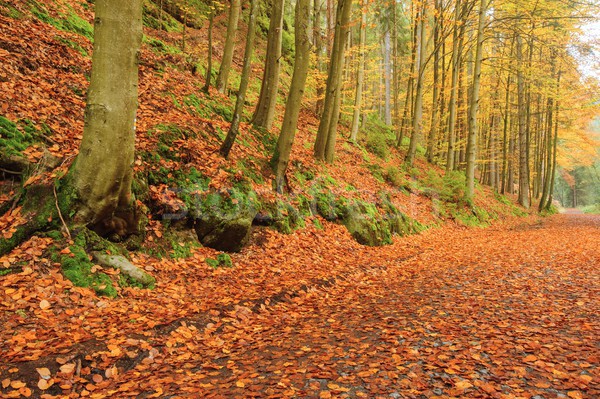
160, 47
16, 137
377, 172
9, 11
377, 145
222, 260
449, 188
472, 216
77, 267
206, 108
591, 209
397, 178
68, 22
71, 44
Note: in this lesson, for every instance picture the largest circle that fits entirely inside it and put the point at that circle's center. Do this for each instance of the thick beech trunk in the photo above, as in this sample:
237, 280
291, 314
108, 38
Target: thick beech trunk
104, 167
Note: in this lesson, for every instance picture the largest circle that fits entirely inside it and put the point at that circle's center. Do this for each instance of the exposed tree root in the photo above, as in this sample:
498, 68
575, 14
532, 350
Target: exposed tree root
126, 267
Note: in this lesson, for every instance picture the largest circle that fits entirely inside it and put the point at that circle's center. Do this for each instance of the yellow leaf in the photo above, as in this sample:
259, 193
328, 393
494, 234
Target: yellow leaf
575, 395
463, 384
530, 358
44, 372
44, 304
240, 384
67, 368
45, 384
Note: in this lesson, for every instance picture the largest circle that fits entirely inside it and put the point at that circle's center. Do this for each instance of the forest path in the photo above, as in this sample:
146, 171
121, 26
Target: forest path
502, 312
486, 313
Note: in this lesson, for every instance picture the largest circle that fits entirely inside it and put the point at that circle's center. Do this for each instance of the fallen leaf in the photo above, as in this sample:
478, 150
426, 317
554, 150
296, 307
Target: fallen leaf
44, 304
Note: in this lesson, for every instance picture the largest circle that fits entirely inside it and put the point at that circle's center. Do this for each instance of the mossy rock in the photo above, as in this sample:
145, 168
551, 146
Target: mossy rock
282, 216
223, 221
366, 225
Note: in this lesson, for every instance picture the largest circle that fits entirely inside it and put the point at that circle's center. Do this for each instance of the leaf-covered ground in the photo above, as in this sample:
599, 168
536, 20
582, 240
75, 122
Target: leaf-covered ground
504, 312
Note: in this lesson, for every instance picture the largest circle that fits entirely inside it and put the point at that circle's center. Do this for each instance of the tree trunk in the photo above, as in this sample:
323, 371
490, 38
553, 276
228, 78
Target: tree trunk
318, 42
208, 76
281, 156
387, 75
554, 146
360, 73
436, 84
522, 117
325, 142
265, 108
417, 124
474, 106
457, 42
109, 130
232, 26
245, 78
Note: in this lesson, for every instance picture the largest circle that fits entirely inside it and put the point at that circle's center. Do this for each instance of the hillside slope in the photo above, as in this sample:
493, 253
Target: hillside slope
45, 56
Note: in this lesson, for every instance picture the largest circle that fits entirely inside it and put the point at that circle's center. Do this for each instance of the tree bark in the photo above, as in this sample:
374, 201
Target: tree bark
360, 73
245, 78
474, 105
325, 142
417, 124
457, 42
208, 76
522, 117
436, 84
281, 156
232, 26
265, 108
554, 146
318, 42
109, 130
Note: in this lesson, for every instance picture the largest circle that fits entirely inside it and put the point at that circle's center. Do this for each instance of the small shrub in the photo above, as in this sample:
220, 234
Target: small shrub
377, 145
395, 177
593, 209
449, 188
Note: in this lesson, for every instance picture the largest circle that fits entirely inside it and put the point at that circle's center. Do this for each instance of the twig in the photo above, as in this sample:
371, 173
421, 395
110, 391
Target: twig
60, 213
11, 172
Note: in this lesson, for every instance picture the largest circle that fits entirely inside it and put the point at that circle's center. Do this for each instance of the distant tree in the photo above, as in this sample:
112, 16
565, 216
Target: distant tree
360, 73
241, 96
474, 104
324, 148
232, 26
211, 19
265, 108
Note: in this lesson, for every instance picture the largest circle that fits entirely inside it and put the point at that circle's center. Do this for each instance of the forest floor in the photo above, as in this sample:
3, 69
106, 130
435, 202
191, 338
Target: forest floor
509, 311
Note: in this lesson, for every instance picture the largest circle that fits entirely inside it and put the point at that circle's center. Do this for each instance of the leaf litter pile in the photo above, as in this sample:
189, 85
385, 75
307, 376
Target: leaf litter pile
510, 311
